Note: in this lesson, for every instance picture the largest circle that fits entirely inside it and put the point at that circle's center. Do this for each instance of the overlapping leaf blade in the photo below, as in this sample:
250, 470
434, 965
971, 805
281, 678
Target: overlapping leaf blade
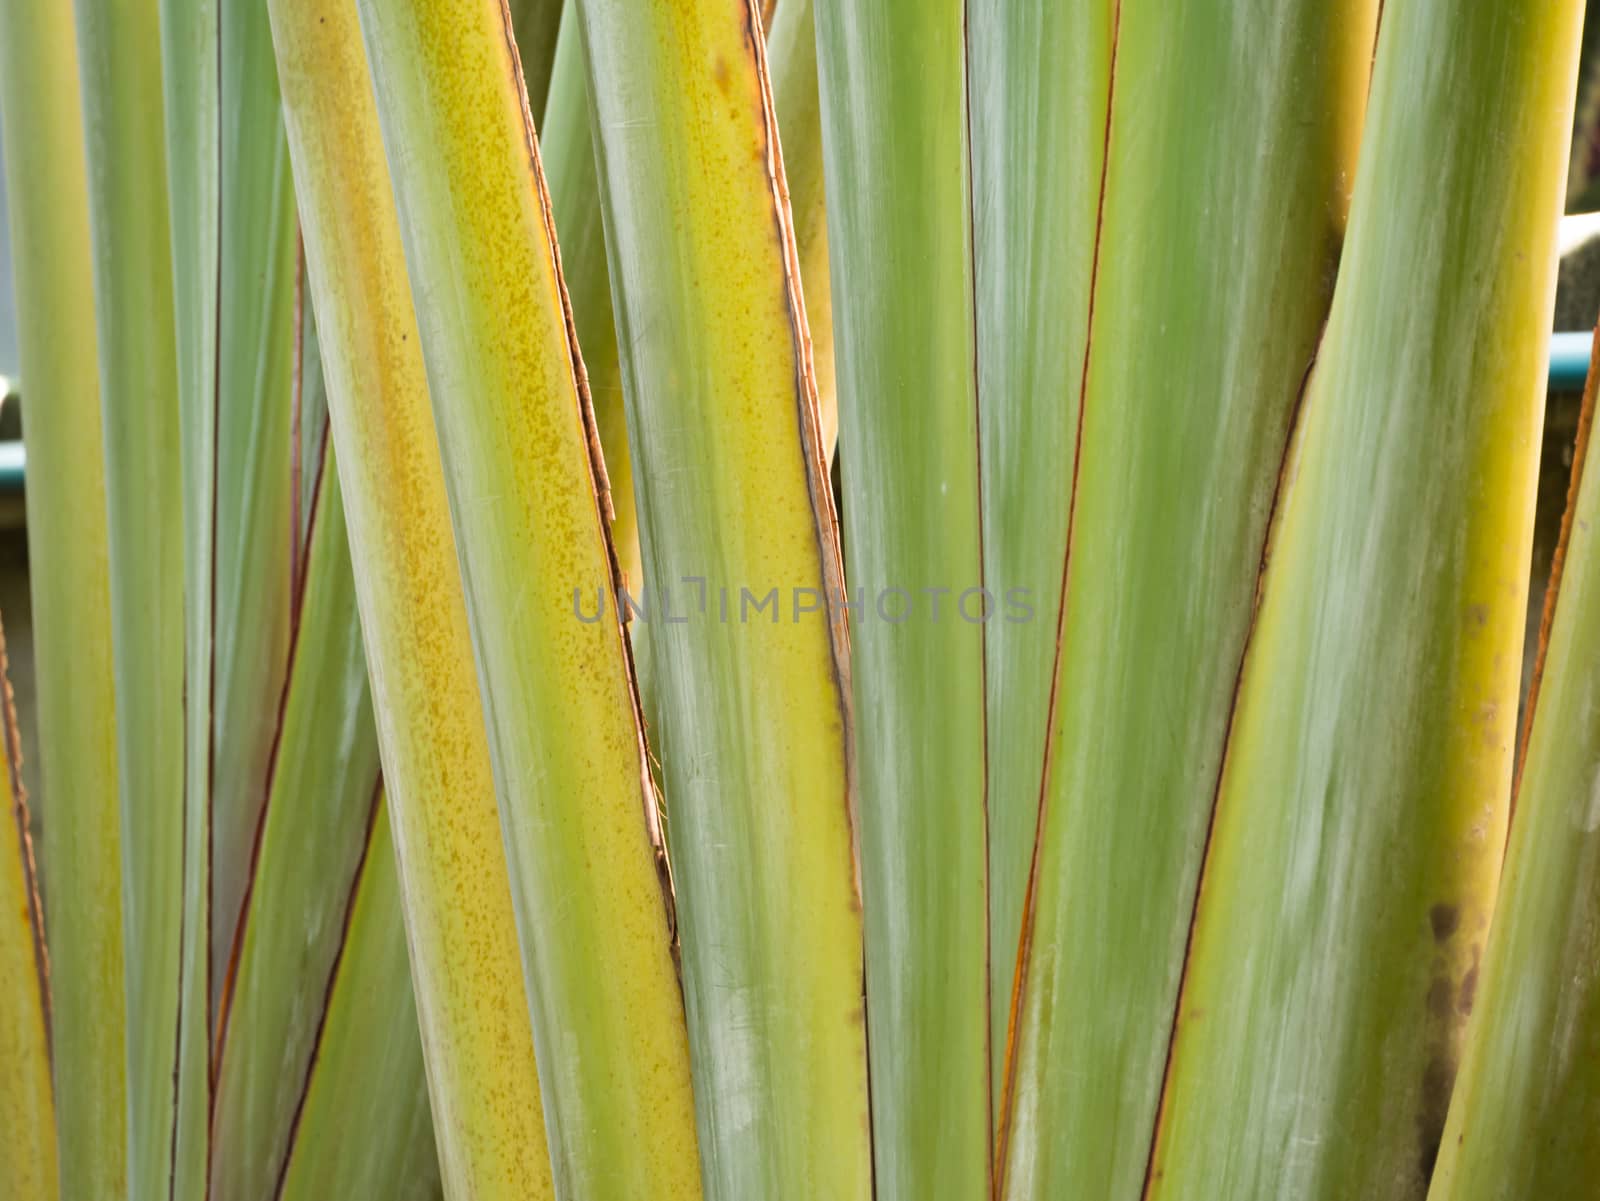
234, 263
1039, 76
894, 124
1026, 193
566, 149
1179, 460
120, 63
517, 440
1527, 1101
735, 512
252, 390
1361, 814
312, 862
48, 198
363, 1129
190, 70
476, 1038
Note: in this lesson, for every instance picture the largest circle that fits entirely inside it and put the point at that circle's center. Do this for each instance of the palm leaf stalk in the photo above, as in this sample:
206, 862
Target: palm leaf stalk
567, 151
1178, 466
561, 722
1527, 1093
47, 193
750, 676
320, 932
233, 242
1341, 920
893, 110
477, 1037
119, 52
1131, 826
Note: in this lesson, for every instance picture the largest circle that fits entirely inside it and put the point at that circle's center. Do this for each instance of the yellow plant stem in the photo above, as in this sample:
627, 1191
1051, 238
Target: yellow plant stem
476, 1036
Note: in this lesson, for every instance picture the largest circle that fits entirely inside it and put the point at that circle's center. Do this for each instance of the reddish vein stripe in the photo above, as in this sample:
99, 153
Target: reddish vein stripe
327, 994
1025, 942
1274, 514
30, 873
237, 941
184, 933
297, 395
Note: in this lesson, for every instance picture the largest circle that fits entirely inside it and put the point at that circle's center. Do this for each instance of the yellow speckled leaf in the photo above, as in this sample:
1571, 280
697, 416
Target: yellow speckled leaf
739, 549
563, 734
476, 1036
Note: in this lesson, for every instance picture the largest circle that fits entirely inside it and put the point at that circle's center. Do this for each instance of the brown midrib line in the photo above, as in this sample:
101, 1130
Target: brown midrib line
1025, 937
1377, 30
297, 393
236, 944
1274, 517
184, 933
30, 871
351, 898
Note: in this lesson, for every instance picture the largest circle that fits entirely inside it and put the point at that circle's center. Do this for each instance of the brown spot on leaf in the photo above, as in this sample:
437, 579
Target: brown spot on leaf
1441, 998
1469, 991
1444, 919
1488, 716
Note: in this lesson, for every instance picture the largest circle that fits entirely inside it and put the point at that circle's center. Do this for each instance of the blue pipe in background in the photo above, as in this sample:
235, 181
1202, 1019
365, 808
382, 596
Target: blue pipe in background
1569, 361
12, 458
